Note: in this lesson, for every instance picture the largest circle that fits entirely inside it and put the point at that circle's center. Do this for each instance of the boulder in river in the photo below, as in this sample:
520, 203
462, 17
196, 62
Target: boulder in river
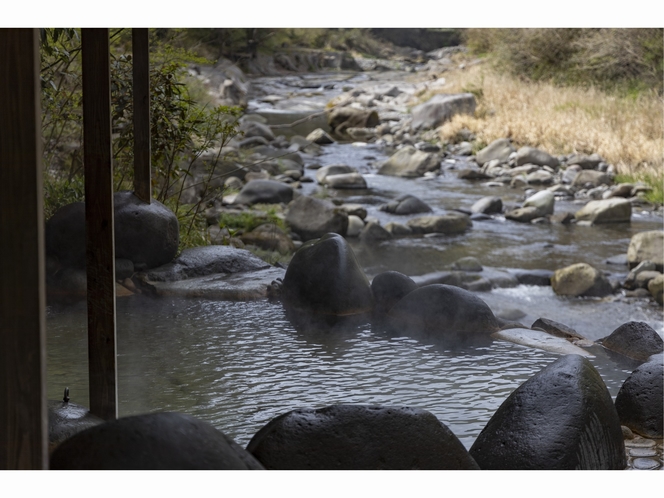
406, 204
359, 437
325, 280
445, 314
270, 237
346, 181
580, 279
531, 155
155, 441
640, 401
612, 210
341, 118
320, 137
264, 192
410, 162
656, 288
488, 205
333, 169
312, 218
647, 246
498, 149
563, 418
590, 178
441, 108
450, 223
543, 200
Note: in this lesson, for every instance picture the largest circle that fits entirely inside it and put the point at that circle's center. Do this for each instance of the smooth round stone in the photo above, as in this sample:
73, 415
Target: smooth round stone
640, 443
645, 464
642, 452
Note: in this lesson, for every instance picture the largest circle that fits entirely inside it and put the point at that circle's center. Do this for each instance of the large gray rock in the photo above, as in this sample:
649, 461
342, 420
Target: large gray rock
346, 181
270, 237
498, 149
156, 441
488, 205
406, 204
441, 108
524, 214
590, 178
543, 200
205, 260
580, 279
320, 137
613, 210
647, 246
255, 129
359, 437
562, 418
342, 118
585, 161
324, 278
443, 313
410, 162
146, 234
636, 340
531, 155
312, 218
640, 400
446, 223
333, 169
264, 192
656, 288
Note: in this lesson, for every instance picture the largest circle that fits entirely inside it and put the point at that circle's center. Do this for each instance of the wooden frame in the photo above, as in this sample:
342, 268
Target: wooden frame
23, 415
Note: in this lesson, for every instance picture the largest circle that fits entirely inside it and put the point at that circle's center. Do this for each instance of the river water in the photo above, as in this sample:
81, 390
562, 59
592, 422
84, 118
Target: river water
237, 365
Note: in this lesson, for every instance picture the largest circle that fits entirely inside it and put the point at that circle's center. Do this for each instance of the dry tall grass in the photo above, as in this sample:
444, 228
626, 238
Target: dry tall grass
626, 131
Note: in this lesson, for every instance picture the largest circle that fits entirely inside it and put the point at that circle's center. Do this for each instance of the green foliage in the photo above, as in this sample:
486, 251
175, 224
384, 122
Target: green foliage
246, 221
625, 60
181, 129
654, 181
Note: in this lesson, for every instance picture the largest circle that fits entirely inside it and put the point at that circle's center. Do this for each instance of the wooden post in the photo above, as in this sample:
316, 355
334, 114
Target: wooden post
23, 415
141, 58
100, 247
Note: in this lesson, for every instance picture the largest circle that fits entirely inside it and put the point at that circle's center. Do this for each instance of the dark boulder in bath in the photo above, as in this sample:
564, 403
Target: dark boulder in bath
635, 340
388, 289
66, 419
146, 234
359, 437
640, 401
563, 418
443, 312
156, 441
324, 279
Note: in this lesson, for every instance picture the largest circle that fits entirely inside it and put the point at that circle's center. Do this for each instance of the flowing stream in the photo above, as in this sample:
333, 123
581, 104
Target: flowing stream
237, 365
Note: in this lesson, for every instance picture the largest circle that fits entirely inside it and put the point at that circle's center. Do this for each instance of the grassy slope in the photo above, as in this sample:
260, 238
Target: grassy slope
627, 131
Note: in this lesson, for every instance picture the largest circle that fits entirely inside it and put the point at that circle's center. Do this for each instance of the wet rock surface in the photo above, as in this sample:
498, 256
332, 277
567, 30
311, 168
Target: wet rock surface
640, 401
635, 340
159, 441
562, 418
352, 437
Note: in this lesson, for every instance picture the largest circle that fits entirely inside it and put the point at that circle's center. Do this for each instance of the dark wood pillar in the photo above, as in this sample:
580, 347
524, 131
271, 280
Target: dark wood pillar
23, 415
100, 249
141, 58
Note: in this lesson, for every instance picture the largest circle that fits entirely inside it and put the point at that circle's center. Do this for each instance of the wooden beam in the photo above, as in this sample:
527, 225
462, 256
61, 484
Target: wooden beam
141, 58
100, 246
23, 415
